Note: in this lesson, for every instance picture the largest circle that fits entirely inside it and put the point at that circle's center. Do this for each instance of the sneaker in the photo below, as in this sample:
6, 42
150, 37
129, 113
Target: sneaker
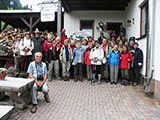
134, 84
75, 80
48, 100
99, 82
34, 109
81, 80
92, 81
111, 82
115, 83
65, 78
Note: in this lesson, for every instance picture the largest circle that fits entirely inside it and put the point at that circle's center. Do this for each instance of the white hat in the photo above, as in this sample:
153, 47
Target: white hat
37, 31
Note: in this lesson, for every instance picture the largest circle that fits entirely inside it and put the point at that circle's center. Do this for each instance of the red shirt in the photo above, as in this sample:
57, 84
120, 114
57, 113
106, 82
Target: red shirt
46, 46
63, 37
72, 47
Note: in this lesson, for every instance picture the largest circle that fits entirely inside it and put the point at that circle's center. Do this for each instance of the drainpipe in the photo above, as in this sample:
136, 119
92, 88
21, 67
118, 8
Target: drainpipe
150, 39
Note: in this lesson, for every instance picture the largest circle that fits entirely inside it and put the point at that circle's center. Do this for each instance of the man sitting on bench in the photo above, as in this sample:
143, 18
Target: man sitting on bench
37, 70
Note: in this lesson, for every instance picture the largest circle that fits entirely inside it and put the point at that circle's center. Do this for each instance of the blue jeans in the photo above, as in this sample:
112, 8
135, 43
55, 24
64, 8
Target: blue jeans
44, 89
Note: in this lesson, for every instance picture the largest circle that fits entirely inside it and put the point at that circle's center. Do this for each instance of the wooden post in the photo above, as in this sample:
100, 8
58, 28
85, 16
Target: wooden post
59, 16
30, 25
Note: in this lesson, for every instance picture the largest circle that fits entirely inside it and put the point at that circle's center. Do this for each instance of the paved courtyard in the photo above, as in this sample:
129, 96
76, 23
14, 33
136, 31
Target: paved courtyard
83, 101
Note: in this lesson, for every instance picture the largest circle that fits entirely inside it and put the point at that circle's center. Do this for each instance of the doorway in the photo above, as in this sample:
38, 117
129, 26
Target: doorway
114, 26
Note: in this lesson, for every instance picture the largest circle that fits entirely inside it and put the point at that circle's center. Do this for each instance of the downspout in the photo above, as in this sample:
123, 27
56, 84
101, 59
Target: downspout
150, 41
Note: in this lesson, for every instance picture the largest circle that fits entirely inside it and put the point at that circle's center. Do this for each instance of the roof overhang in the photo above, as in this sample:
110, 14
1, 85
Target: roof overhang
13, 18
72, 5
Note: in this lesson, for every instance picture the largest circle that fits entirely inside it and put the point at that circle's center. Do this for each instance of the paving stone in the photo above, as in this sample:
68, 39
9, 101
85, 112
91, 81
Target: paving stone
83, 101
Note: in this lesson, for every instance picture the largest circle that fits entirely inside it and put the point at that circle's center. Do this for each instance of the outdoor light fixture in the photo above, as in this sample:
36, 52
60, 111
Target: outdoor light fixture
133, 21
129, 23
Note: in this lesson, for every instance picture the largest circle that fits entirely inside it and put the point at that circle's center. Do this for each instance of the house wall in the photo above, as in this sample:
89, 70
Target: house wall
156, 50
72, 20
133, 11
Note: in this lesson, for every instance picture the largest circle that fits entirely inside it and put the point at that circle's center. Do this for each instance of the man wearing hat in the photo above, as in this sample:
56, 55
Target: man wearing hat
66, 58
16, 55
37, 42
136, 65
100, 39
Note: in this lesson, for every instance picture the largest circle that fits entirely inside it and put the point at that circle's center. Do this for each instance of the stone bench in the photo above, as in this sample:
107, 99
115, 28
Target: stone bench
5, 112
16, 89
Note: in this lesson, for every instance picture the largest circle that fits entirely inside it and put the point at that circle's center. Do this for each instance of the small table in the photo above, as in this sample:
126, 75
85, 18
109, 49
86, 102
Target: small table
5, 112
12, 86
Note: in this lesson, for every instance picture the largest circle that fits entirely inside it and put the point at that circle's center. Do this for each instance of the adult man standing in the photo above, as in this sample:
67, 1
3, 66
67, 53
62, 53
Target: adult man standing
63, 36
106, 32
136, 64
100, 39
16, 55
38, 70
37, 42
66, 58
122, 29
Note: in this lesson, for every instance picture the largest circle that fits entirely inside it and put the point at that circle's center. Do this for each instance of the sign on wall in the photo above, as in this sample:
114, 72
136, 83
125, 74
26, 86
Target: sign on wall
48, 13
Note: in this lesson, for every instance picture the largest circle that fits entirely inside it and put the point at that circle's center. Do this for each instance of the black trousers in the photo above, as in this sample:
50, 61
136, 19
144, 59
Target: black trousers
78, 71
96, 69
72, 71
135, 74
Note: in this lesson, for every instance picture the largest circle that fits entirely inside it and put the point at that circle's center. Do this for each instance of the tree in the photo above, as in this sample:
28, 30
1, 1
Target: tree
5, 5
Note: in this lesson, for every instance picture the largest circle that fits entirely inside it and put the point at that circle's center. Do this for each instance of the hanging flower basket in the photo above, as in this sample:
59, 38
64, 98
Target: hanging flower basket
3, 73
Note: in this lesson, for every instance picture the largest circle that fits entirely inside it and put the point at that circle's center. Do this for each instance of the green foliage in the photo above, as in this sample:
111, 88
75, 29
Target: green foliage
5, 5
8, 27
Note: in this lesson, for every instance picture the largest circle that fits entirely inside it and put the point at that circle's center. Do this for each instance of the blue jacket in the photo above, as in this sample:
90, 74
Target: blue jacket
114, 58
76, 55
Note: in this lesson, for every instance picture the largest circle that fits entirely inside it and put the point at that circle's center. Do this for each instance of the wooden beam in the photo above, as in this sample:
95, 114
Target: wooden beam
66, 6
36, 22
28, 25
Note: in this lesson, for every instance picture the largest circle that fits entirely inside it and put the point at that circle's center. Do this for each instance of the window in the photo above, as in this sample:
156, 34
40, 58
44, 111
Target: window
87, 26
144, 19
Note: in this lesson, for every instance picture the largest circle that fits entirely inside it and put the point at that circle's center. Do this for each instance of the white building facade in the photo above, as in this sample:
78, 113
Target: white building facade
134, 13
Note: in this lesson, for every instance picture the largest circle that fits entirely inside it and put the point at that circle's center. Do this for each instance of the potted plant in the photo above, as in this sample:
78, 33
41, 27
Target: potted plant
3, 73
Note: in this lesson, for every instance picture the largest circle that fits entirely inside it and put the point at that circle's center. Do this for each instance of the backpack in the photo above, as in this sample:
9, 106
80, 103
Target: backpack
30, 42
